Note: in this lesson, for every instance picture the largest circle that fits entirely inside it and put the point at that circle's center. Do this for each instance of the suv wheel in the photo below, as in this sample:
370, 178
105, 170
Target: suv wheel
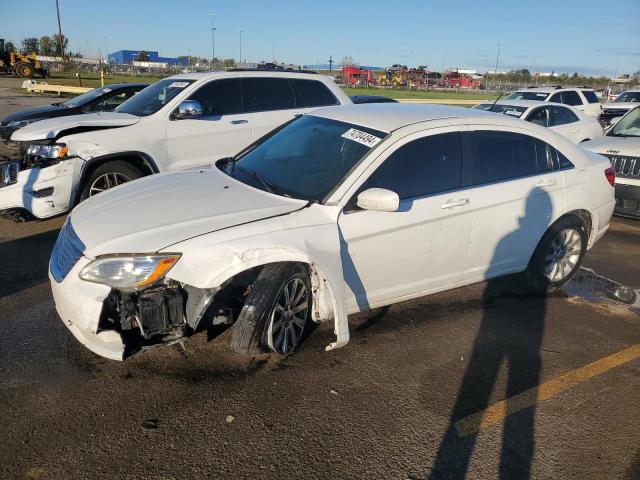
558, 255
275, 316
109, 175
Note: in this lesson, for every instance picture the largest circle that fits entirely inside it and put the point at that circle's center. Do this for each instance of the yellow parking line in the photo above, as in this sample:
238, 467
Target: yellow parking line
497, 412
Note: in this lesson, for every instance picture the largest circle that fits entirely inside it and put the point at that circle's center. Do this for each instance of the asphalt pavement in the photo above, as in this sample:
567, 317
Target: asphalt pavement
469, 383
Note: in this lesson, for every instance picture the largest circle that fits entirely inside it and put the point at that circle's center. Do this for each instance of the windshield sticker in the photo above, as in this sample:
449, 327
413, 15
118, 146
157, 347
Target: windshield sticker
361, 137
106, 90
178, 84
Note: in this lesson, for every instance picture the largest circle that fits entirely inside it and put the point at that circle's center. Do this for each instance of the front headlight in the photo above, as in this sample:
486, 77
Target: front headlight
128, 272
21, 123
57, 150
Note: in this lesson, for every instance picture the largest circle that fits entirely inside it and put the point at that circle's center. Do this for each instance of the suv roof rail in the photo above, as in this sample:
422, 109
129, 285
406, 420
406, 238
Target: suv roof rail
311, 72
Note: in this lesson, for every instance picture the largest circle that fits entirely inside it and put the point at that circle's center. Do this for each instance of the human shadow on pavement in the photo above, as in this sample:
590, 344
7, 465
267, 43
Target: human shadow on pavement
24, 262
510, 332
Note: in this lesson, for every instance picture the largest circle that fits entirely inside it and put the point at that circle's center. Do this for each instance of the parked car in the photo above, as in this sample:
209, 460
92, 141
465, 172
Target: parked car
620, 106
567, 121
359, 99
103, 99
341, 210
583, 99
621, 145
184, 121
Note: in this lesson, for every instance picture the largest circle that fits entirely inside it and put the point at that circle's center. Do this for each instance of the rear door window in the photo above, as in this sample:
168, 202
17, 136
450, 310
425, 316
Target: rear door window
268, 94
425, 166
220, 97
498, 156
312, 93
540, 116
591, 96
569, 97
562, 116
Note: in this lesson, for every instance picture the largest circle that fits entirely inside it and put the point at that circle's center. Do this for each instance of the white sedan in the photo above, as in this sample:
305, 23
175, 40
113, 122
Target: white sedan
342, 210
567, 121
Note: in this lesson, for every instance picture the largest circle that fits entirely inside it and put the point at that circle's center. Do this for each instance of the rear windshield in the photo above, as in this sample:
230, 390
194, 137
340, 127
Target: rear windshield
628, 97
85, 97
500, 108
525, 95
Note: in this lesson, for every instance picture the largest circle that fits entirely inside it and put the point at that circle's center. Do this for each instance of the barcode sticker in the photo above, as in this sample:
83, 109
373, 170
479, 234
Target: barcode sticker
361, 137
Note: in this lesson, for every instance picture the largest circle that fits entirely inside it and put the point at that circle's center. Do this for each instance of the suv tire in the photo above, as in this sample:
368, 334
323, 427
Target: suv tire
108, 175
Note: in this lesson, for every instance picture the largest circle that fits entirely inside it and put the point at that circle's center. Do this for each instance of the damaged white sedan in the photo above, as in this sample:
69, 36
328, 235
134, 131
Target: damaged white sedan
338, 211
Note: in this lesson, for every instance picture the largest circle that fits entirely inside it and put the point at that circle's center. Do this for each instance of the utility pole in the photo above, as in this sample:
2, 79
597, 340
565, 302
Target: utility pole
213, 41
273, 54
330, 63
60, 32
495, 72
240, 59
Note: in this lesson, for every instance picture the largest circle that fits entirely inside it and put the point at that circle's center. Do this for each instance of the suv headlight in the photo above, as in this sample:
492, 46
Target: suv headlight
128, 272
21, 123
55, 151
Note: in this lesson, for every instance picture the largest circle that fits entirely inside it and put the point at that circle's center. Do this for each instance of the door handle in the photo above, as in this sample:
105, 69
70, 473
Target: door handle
546, 183
239, 122
455, 203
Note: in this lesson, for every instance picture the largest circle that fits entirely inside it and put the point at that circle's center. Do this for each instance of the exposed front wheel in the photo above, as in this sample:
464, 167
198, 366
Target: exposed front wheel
276, 313
109, 175
558, 255
24, 70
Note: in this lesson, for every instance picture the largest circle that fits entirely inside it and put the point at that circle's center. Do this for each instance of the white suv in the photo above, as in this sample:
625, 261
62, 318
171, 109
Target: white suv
182, 122
584, 99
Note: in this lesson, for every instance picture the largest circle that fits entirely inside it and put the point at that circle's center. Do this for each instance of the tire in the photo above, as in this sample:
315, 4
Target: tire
262, 326
24, 70
109, 175
559, 254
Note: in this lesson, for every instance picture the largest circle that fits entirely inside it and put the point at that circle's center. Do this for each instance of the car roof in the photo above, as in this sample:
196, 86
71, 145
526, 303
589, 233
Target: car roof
519, 103
551, 89
387, 117
115, 86
245, 73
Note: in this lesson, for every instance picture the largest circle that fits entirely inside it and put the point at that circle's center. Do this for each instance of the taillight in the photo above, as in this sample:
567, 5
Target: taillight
610, 173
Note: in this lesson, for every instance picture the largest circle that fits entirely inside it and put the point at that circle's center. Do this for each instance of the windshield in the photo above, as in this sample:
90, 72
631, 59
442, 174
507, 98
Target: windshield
501, 108
154, 97
628, 97
306, 159
629, 126
524, 95
85, 97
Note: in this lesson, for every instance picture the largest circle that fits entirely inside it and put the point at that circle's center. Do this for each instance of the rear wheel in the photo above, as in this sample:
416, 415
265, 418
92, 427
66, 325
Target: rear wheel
24, 70
558, 255
275, 316
109, 175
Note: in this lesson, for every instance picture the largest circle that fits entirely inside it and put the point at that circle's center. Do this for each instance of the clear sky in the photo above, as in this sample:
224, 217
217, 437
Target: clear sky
587, 36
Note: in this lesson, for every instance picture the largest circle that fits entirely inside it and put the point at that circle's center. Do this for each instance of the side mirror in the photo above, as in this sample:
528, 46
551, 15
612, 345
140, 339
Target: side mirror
379, 199
189, 109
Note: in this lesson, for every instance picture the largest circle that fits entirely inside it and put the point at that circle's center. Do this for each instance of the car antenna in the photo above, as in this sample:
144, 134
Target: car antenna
496, 101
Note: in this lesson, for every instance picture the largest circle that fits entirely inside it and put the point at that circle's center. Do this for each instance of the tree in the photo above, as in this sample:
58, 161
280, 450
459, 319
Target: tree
635, 78
143, 56
30, 45
56, 43
10, 46
229, 63
46, 46
348, 62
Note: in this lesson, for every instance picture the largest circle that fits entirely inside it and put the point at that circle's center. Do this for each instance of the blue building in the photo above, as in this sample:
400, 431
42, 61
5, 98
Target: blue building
123, 57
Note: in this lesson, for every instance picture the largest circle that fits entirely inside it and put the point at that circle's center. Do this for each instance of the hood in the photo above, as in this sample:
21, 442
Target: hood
620, 105
157, 211
46, 111
53, 128
607, 145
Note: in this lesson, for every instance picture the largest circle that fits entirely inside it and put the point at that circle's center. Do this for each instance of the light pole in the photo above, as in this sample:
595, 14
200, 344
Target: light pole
213, 41
240, 59
273, 54
60, 32
330, 63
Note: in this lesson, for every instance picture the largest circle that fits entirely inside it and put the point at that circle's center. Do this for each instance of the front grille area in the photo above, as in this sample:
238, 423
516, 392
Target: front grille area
626, 166
9, 173
66, 252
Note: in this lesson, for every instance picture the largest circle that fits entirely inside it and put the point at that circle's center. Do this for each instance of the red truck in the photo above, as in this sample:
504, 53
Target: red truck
460, 80
356, 76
